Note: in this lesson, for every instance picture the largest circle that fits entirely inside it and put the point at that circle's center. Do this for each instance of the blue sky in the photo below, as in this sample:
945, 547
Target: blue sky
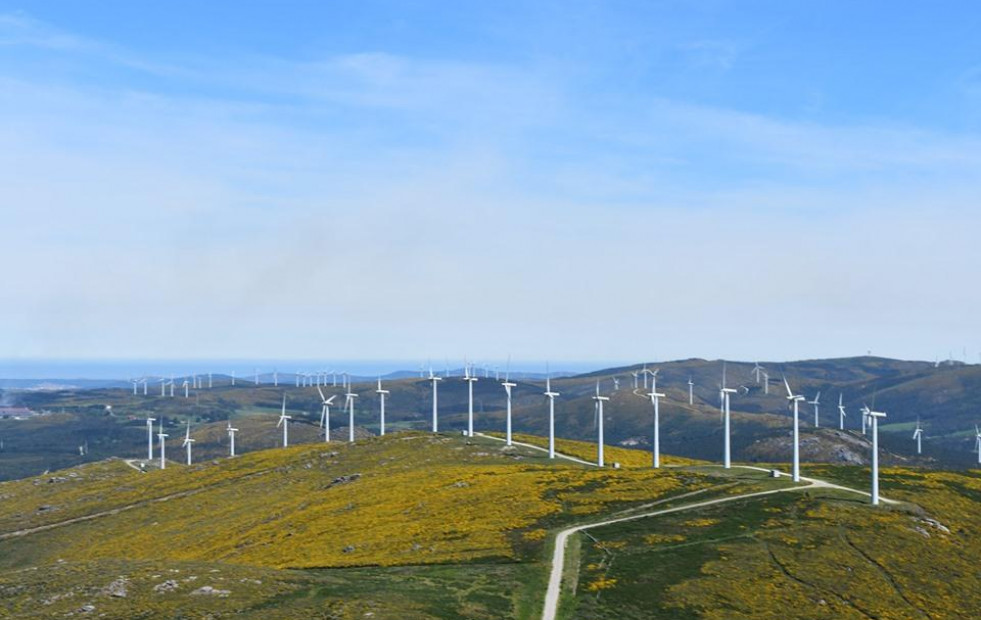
563, 180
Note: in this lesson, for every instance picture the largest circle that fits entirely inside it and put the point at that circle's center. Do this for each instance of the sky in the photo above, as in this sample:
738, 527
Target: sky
411, 180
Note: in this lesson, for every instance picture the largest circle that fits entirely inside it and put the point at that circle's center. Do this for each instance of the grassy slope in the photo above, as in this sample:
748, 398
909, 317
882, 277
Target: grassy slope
820, 554
433, 527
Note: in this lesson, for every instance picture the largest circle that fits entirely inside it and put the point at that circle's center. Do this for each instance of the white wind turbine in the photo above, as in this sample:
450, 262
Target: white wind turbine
795, 399
599, 423
435, 379
977, 441
381, 398
643, 372
135, 382
470, 377
163, 386
766, 382
162, 437
325, 413
349, 403
149, 438
841, 412
551, 396
231, 438
209, 381
691, 391
233, 378
655, 400
507, 385
725, 392
816, 403
757, 369
144, 385
918, 436
636, 376
187, 442
185, 386
865, 418
171, 384
284, 420
874, 417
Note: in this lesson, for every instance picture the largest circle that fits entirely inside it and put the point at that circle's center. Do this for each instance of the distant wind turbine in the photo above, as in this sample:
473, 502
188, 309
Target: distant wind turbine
284, 420
551, 396
726, 392
757, 369
435, 379
841, 412
918, 435
162, 438
349, 402
381, 398
795, 399
325, 413
599, 424
187, 442
507, 385
149, 438
470, 377
655, 400
691, 391
185, 386
977, 438
135, 382
231, 438
874, 418
816, 403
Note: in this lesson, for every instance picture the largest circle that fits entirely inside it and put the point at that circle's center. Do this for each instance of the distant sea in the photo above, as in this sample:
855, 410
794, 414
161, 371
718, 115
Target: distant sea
124, 370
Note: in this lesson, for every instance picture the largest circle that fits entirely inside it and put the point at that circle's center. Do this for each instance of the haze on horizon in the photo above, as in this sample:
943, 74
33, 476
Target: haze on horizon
550, 180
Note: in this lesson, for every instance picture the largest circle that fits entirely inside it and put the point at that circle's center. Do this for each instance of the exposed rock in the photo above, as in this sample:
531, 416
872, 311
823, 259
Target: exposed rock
209, 591
167, 586
117, 588
348, 549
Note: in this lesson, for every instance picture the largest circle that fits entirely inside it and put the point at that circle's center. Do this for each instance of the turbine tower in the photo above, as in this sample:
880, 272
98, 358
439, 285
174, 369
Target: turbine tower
725, 392
655, 400
507, 388
231, 438
874, 417
816, 403
977, 437
599, 424
841, 412
918, 435
643, 372
435, 379
349, 403
149, 438
470, 377
550, 395
381, 398
187, 442
795, 399
284, 420
162, 438
185, 385
766, 383
691, 391
757, 369
325, 413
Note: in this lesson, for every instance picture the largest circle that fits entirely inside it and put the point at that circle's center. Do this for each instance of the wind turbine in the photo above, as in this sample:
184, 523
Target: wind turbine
766, 383
470, 377
691, 391
144, 385
162, 438
381, 396
233, 378
655, 400
643, 372
636, 378
149, 437
599, 424
209, 381
231, 438
841, 412
977, 437
284, 420
163, 387
275, 378
725, 392
795, 398
507, 388
135, 382
171, 384
435, 379
257, 376
616, 384
325, 413
349, 403
874, 417
757, 369
816, 403
865, 418
187, 442
185, 386
918, 435
550, 395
